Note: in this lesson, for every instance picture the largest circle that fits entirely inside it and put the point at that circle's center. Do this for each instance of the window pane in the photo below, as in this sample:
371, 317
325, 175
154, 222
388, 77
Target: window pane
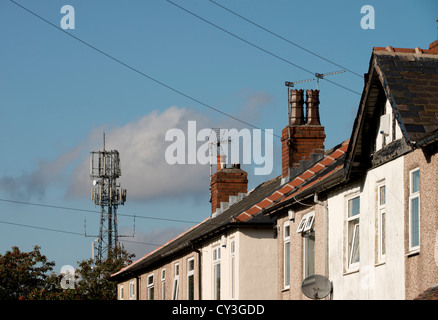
233, 276
217, 281
287, 231
151, 293
310, 255
415, 222
354, 253
175, 290
382, 195
416, 181
353, 207
383, 233
287, 264
191, 265
191, 287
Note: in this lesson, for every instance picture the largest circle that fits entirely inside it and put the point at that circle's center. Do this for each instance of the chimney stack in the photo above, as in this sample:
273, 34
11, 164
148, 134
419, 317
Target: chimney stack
302, 137
434, 45
227, 182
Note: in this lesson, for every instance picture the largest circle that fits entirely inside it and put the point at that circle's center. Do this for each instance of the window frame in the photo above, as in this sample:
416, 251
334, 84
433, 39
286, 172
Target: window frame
414, 195
190, 278
163, 283
306, 261
150, 287
233, 268
121, 292
286, 255
306, 223
175, 287
216, 259
381, 222
132, 290
353, 232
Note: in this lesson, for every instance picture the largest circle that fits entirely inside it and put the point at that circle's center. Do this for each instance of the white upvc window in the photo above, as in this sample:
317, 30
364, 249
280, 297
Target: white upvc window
150, 287
163, 284
286, 255
121, 293
217, 273
414, 210
233, 268
175, 281
353, 244
381, 223
306, 223
132, 290
309, 254
191, 279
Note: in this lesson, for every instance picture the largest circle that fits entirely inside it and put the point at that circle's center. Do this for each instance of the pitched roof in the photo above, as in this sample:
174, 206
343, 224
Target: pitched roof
250, 210
429, 294
410, 77
319, 175
206, 229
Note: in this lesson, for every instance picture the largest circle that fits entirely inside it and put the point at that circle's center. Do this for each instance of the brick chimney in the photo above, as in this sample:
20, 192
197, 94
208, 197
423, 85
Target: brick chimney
302, 138
434, 45
227, 182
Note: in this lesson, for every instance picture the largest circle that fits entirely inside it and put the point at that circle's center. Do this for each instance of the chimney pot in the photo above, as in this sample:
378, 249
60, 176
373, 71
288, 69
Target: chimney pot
312, 103
296, 107
221, 162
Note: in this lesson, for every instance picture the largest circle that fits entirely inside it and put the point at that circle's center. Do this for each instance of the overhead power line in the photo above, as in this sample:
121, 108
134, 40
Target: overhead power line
94, 211
140, 72
68, 232
258, 47
284, 39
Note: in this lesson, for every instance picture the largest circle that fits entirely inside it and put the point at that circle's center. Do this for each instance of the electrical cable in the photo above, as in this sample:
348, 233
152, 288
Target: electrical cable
258, 47
68, 232
140, 72
94, 211
284, 39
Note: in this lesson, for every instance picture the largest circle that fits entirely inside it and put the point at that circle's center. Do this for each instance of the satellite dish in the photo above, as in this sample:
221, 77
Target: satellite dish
94, 182
316, 287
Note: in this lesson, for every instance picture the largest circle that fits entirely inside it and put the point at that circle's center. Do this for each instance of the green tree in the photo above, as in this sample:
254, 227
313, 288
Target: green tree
95, 282
22, 273
25, 276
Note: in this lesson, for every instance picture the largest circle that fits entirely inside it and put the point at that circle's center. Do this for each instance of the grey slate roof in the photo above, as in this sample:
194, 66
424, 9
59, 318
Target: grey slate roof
412, 81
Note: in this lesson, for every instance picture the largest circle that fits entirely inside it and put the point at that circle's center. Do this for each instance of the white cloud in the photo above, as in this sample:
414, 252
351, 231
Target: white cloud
141, 145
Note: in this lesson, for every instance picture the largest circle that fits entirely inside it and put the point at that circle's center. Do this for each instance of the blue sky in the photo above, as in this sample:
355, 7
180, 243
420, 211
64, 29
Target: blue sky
58, 96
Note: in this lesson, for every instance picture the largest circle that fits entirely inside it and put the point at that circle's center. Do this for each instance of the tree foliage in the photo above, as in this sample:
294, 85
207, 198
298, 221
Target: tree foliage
29, 276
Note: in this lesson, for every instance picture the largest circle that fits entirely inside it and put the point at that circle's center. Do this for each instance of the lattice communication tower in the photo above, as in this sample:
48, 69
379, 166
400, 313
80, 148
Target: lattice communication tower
104, 171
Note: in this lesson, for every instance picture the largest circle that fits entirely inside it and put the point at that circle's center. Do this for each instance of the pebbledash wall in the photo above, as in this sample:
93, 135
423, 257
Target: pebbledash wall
422, 263
297, 252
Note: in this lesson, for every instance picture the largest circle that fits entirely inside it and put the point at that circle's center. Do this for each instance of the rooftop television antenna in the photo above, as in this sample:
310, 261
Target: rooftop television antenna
290, 84
316, 287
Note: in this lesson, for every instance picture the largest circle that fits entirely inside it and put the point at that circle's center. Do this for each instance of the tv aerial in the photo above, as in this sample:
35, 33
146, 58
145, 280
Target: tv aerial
316, 287
317, 76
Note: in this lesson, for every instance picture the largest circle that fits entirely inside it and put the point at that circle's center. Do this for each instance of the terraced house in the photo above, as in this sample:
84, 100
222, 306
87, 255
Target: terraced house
362, 214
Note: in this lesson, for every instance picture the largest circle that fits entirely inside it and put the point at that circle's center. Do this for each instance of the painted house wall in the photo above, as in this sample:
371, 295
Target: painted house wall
254, 258
257, 265
372, 277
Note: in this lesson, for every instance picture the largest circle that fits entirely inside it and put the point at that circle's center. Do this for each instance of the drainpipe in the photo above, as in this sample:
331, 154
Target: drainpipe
325, 223
199, 269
